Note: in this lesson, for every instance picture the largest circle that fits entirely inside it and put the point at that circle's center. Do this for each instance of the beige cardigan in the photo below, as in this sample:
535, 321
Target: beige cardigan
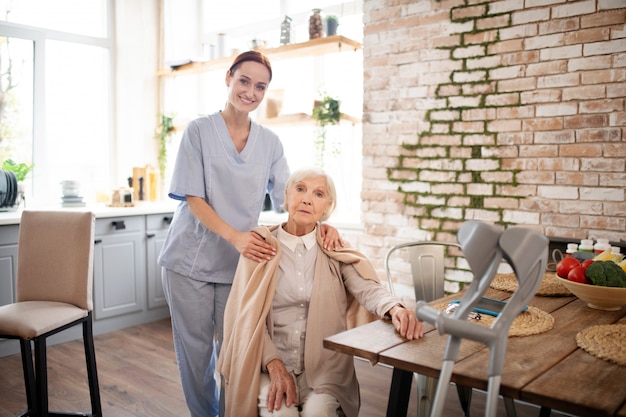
332, 310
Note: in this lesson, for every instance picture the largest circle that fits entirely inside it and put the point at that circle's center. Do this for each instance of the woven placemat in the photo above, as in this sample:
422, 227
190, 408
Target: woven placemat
604, 341
550, 285
529, 322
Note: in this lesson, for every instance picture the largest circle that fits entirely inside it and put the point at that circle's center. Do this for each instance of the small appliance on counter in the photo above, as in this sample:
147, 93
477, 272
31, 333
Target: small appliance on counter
70, 194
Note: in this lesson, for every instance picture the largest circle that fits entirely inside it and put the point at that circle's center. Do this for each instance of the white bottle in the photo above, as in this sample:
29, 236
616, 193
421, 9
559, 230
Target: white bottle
571, 249
586, 245
601, 246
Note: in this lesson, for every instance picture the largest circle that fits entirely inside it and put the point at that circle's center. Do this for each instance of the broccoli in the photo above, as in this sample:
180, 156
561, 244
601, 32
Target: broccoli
606, 274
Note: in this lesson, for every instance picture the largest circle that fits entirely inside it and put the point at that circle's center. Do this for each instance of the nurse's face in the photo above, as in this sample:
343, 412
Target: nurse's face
247, 85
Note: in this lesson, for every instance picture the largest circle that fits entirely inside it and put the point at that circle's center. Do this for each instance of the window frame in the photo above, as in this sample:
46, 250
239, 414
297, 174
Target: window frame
39, 37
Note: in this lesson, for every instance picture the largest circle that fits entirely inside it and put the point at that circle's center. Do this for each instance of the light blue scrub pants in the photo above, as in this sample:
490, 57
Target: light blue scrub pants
197, 314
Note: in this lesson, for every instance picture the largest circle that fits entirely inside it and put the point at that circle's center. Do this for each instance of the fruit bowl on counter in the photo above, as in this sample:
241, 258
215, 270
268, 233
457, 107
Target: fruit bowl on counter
600, 298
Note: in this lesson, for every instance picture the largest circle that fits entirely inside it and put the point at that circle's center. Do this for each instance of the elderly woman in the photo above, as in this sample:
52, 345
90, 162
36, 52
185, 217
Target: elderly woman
279, 312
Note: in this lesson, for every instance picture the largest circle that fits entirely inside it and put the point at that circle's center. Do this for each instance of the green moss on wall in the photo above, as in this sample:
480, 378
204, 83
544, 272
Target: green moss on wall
449, 91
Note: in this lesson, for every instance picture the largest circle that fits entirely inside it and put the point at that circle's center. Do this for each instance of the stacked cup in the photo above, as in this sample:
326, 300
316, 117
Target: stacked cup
70, 190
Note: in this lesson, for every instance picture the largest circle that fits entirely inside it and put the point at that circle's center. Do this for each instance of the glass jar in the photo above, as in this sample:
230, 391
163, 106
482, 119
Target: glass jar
316, 25
285, 31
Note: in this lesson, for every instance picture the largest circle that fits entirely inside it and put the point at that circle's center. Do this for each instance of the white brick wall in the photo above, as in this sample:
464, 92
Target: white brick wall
523, 124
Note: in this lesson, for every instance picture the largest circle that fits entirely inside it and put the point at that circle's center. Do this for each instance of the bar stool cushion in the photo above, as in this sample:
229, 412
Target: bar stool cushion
30, 319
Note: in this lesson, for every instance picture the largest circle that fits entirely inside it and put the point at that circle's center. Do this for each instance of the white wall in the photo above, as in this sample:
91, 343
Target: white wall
136, 104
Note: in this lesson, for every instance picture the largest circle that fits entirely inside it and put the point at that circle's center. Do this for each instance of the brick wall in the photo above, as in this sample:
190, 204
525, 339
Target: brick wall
511, 112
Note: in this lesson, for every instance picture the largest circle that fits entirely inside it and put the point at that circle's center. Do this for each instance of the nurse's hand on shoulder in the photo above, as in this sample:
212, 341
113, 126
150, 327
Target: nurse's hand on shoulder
332, 238
253, 246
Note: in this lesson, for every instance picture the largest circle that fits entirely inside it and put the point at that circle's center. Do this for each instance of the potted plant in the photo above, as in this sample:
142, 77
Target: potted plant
21, 171
332, 22
326, 112
162, 134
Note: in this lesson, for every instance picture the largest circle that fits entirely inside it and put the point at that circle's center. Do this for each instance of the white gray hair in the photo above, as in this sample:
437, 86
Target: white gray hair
313, 172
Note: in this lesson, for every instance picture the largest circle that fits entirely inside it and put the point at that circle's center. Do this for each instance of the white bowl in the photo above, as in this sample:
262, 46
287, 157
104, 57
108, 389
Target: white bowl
600, 298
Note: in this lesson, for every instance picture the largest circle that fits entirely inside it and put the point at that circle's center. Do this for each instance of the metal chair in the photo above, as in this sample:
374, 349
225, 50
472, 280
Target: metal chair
54, 293
527, 253
428, 271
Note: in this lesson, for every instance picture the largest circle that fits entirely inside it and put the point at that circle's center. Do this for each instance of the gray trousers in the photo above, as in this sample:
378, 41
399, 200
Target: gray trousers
197, 314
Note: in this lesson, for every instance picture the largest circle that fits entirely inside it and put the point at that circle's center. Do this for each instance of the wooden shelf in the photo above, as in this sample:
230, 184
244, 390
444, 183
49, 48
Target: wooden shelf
315, 47
301, 118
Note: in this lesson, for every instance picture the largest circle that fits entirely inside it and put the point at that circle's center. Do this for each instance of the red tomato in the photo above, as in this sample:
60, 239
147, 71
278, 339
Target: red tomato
586, 263
565, 265
577, 274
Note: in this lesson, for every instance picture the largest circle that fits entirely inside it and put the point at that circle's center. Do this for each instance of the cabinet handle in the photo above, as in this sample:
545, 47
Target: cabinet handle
167, 219
150, 235
119, 225
97, 241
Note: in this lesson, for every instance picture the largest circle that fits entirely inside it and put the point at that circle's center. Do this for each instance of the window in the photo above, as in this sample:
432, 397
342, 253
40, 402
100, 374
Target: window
59, 114
16, 102
80, 17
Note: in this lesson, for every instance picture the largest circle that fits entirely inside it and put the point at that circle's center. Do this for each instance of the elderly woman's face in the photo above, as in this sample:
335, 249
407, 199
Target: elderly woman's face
307, 201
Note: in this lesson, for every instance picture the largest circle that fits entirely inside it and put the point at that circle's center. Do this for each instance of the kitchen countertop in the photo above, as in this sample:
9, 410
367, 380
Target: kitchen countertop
100, 210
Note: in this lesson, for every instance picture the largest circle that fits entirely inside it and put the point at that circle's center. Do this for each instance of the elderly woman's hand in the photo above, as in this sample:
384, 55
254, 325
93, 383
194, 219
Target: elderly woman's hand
282, 386
406, 323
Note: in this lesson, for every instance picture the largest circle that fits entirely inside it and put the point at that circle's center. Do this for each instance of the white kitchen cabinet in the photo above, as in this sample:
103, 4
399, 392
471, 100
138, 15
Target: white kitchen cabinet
8, 263
156, 231
119, 266
8, 269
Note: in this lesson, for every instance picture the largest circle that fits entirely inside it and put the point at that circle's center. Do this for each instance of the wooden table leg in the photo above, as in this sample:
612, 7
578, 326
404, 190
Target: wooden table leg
399, 393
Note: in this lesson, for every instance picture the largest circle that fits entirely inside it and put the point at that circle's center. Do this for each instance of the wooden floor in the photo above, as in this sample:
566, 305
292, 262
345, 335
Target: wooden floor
139, 378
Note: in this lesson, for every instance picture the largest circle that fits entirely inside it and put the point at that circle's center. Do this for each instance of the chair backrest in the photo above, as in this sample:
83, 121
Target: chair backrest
55, 257
427, 260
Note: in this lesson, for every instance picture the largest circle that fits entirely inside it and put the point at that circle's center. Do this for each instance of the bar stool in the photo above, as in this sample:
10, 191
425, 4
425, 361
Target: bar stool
53, 294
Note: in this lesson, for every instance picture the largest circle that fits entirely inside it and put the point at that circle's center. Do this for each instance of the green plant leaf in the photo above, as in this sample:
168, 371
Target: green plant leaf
327, 112
20, 170
162, 134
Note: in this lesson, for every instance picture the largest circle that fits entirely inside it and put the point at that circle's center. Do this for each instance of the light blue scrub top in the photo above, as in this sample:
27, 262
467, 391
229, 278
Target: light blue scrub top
234, 184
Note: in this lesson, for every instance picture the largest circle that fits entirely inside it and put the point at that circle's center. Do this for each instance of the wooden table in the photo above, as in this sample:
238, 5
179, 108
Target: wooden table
547, 369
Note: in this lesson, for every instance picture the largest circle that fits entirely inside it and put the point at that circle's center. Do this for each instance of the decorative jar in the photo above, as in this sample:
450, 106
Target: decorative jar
316, 25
